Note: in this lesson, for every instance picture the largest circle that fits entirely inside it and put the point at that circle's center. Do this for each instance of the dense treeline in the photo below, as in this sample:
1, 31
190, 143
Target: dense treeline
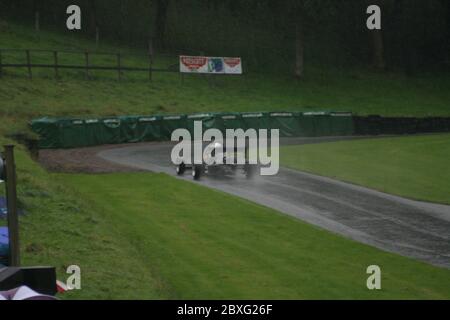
282, 35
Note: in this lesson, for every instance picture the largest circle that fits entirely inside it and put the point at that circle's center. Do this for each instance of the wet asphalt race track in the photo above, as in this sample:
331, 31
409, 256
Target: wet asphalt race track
410, 228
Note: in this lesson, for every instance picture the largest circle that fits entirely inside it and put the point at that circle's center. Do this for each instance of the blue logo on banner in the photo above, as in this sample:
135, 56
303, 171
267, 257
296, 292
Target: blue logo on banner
215, 65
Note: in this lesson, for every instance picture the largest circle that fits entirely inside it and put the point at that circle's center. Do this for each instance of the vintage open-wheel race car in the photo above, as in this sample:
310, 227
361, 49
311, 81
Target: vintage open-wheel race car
222, 168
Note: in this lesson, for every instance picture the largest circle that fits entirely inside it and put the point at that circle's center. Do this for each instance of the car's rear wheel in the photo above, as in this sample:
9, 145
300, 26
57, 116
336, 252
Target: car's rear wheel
197, 171
181, 168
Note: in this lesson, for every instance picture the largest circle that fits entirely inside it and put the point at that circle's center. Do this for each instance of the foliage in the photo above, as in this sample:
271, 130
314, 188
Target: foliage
415, 32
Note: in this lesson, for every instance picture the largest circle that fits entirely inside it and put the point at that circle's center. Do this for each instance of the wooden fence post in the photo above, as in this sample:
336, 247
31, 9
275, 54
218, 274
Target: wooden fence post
37, 25
97, 37
119, 64
30, 75
1, 64
86, 55
150, 67
55, 56
150, 57
11, 201
150, 46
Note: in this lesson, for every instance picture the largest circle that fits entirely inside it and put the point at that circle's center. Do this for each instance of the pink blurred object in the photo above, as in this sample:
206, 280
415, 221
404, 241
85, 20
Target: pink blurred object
24, 293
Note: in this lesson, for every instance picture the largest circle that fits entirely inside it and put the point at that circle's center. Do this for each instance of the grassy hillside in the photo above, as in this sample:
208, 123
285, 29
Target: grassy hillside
360, 91
414, 167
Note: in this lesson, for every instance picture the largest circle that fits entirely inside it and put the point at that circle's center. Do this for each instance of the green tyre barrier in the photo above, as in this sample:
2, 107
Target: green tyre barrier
286, 122
170, 123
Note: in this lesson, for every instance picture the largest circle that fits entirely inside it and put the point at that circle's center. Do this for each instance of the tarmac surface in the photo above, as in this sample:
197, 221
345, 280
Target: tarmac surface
411, 228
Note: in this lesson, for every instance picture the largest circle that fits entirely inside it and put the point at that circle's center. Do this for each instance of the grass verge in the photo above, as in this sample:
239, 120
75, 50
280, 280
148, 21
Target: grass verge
59, 229
203, 248
415, 167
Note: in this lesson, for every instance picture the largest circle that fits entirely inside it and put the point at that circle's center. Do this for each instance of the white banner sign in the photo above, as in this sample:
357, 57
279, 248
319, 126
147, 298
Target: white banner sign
218, 65
233, 65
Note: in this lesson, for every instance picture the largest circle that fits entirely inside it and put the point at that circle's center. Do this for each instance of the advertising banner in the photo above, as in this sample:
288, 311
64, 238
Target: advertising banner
232, 65
211, 65
189, 64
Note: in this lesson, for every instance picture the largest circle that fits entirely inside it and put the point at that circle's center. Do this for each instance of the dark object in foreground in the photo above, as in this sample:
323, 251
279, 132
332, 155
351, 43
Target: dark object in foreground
378, 125
40, 279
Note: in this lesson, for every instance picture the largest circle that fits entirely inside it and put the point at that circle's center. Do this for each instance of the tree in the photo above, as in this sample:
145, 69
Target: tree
299, 9
160, 22
36, 11
409, 13
94, 21
446, 14
377, 41
378, 61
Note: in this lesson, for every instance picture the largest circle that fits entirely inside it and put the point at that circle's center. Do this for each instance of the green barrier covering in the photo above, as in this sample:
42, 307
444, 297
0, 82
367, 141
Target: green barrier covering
255, 120
111, 132
305, 125
286, 122
209, 121
321, 122
129, 130
342, 124
71, 133
92, 132
171, 123
213, 121
48, 129
231, 120
149, 128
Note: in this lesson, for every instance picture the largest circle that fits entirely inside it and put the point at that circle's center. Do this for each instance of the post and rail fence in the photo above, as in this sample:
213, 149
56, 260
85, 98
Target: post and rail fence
55, 55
